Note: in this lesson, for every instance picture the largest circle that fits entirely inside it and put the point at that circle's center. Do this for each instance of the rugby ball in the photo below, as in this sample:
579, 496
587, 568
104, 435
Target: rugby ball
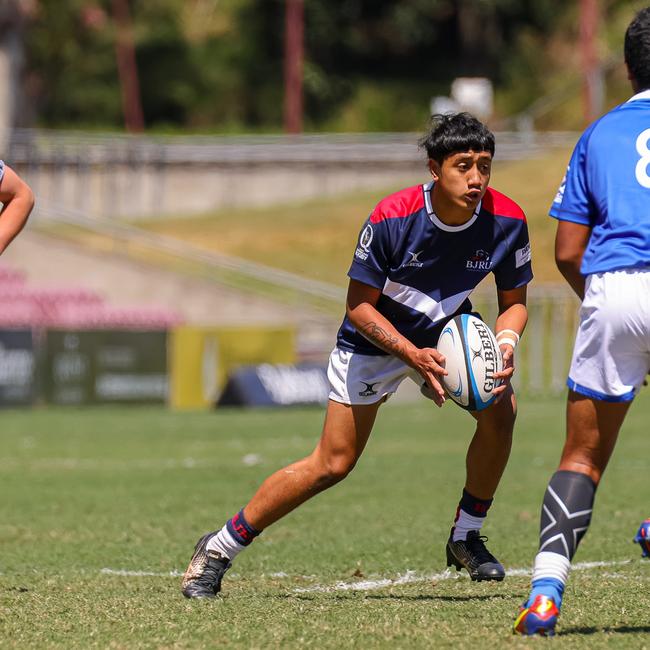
472, 356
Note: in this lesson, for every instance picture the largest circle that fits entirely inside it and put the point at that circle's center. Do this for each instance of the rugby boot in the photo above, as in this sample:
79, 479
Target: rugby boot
203, 576
540, 618
472, 555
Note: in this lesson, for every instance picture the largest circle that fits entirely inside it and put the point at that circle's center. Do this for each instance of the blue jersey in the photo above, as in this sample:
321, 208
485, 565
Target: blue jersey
426, 269
607, 187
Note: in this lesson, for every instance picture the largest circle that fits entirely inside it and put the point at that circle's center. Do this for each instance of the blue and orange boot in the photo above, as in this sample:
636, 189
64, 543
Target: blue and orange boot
538, 618
643, 538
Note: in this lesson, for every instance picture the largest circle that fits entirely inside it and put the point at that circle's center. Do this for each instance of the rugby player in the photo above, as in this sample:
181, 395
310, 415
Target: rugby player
602, 248
419, 256
17, 202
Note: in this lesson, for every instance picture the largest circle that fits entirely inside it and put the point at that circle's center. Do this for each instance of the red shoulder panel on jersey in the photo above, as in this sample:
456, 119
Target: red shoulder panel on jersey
501, 205
399, 205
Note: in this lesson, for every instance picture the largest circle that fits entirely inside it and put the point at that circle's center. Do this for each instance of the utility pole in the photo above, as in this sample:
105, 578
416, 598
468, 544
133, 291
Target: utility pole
293, 59
592, 84
127, 68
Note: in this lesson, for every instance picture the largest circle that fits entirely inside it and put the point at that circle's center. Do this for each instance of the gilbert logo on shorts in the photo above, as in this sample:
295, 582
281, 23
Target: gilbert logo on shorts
369, 390
480, 261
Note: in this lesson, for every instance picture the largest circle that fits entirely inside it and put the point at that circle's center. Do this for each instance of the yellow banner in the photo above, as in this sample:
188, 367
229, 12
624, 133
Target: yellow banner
200, 359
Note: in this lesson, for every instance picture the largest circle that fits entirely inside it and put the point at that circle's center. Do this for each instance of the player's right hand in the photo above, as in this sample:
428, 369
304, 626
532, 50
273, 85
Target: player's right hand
504, 377
430, 365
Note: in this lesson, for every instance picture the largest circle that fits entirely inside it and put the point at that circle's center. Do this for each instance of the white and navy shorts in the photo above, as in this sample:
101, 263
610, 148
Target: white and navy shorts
365, 379
611, 355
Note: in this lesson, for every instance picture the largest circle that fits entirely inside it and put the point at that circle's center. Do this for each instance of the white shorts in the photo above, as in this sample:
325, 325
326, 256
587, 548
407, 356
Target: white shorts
365, 379
611, 355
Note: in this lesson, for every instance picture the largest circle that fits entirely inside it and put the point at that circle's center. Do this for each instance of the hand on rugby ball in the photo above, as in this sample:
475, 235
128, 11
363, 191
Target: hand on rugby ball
505, 375
430, 365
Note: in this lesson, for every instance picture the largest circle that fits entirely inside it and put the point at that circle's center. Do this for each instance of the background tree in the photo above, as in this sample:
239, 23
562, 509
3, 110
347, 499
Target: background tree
369, 64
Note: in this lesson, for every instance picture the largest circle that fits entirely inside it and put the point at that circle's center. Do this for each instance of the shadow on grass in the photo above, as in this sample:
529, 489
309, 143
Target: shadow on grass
416, 598
621, 629
450, 599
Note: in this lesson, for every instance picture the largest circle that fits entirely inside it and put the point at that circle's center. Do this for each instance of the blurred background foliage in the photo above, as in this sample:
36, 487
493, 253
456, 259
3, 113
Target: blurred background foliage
370, 65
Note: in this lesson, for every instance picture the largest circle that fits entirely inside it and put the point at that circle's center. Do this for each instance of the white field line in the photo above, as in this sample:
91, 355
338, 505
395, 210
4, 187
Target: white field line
410, 577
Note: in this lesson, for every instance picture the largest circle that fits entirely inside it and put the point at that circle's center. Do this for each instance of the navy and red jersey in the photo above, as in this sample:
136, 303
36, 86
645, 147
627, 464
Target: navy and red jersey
427, 269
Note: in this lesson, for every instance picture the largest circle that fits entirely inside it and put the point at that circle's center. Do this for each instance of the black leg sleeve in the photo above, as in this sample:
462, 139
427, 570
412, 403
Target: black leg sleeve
566, 512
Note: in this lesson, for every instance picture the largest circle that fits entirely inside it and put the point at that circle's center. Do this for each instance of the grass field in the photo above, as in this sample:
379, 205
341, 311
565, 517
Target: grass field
100, 510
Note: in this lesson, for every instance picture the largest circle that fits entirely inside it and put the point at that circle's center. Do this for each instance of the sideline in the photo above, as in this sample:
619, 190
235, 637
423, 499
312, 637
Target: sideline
410, 577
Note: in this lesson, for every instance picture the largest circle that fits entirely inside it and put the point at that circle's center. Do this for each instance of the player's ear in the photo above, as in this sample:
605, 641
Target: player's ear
434, 168
631, 78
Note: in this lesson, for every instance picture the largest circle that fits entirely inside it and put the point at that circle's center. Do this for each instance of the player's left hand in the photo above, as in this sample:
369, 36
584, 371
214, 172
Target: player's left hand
508, 358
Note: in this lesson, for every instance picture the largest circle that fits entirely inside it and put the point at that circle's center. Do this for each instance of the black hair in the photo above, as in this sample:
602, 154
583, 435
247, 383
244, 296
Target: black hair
455, 132
637, 48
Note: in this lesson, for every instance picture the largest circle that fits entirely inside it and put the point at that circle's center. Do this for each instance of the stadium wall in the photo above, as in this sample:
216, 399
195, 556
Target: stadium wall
184, 367
147, 176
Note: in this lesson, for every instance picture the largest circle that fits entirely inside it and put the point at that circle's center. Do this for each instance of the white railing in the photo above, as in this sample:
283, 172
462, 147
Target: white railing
135, 177
35, 146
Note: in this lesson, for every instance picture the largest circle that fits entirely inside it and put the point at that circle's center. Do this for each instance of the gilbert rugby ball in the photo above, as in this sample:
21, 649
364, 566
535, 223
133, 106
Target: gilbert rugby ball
472, 356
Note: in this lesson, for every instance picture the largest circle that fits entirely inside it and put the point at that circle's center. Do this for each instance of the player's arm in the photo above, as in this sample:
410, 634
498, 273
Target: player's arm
361, 310
18, 200
511, 321
571, 240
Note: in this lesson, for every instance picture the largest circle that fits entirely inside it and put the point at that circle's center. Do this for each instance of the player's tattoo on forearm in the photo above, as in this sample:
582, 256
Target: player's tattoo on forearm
383, 339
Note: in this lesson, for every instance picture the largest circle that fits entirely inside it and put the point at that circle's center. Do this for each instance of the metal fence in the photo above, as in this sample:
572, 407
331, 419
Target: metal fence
115, 175
47, 147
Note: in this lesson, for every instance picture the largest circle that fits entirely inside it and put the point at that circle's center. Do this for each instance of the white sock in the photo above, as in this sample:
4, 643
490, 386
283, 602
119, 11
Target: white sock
551, 565
464, 524
224, 544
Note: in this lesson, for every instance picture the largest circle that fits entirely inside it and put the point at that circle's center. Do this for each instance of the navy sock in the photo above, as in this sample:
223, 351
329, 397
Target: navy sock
242, 532
474, 506
470, 515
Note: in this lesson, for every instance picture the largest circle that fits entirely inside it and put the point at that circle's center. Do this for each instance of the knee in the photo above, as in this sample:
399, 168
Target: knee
583, 461
334, 468
508, 414
506, 421
499, 422
584, 456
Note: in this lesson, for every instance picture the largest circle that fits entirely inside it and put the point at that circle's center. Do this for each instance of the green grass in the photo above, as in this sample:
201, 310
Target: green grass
132, 490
